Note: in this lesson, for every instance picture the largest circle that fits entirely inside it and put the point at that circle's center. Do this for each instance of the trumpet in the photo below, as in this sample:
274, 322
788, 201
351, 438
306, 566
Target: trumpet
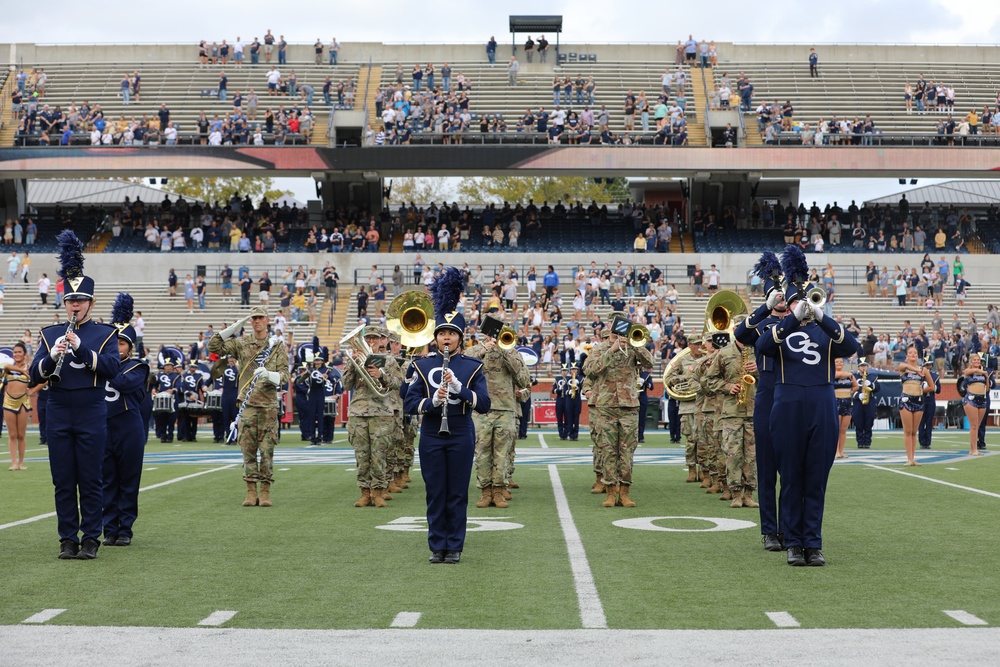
816, 297
56, 375
507, 338
638, 335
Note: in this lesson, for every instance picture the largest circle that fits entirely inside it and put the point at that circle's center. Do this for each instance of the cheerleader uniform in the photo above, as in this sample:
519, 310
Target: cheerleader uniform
842, 391
975, 385
912, 402
16, 399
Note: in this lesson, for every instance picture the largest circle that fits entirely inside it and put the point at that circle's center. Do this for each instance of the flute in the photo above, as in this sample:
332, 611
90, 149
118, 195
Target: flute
444, 430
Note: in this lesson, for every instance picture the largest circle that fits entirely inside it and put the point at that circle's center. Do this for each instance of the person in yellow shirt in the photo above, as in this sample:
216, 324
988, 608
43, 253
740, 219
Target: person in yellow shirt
940, 238
234, 239
640, 243
973, 120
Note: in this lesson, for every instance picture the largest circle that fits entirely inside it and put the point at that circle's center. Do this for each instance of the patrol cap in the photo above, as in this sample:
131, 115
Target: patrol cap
694, 339
605, 333
258, 311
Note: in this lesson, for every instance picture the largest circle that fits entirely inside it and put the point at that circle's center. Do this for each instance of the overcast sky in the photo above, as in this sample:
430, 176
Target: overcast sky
846, 21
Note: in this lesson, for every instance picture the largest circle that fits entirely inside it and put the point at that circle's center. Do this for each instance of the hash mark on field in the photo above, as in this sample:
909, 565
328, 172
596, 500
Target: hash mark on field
951, 468
217, 618
965, 618
283, 469
46, 615
591, 609
150, 469
930, 479
541, 441
782, 619
405, 619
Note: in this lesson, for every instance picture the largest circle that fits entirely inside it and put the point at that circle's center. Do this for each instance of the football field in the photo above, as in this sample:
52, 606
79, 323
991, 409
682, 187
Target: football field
908, 549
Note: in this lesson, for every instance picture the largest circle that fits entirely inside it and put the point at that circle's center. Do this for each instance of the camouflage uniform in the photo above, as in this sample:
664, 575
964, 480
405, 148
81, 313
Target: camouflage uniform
616, 400
736, 420
496, 430
688, 410
371, 423
258, 429
410, 427
522, 395
595, 429
704, 425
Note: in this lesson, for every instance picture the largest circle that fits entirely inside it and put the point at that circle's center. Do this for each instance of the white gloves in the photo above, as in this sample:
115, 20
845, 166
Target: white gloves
773, 297
817, 312
800, 309
455, 386
234, 328
271, 376
437, 400
53, 353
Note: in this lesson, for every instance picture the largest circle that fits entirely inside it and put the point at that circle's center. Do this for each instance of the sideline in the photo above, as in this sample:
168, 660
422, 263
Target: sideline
48, 515
937, 481
591, 609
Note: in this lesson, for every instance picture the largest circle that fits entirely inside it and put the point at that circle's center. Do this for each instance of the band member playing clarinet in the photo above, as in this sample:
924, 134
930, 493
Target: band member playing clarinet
446, 388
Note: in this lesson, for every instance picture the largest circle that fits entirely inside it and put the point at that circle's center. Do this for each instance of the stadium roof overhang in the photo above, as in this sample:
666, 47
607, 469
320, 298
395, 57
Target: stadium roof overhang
541, 24
506, 160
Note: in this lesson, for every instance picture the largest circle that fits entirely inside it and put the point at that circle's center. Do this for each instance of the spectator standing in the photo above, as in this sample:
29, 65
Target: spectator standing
512, 70
813, 64
318, 50
43, 289
334, 51
491, 50
223, 82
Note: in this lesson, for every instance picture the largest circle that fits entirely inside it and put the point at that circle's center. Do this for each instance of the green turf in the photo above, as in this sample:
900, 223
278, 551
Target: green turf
901, 550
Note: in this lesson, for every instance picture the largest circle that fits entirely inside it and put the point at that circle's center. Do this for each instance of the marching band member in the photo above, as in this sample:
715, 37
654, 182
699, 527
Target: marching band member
916, 381
768, 269
496, 430
15, 373
447, 392
192, 385
316, 396
614, 363
926, 429
803, 418
410, 422
230, 390
844, 386
573, 403
395, 463
128, 421
263, 369
863, 413
646, 378
558, 392
331, 392
687, 410
77, 361
166, 382
977, 386
525, 419
302, 383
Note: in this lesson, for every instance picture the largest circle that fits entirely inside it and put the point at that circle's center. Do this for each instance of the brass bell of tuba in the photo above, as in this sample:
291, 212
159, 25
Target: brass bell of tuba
677, 387
721, 310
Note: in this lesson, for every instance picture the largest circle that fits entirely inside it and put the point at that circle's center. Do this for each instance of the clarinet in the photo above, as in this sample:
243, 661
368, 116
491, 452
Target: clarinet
444, 430
56, 375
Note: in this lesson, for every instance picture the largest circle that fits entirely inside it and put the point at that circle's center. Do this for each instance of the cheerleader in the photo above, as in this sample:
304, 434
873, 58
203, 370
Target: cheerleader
844, 387
916, 381
16, 402
977, 383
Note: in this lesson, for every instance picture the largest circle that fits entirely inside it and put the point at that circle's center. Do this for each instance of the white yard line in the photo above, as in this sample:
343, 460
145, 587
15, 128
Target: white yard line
46, 615
541, 441
591, 609
965, 618
930, 479
782, 619
217, 618
48, 515
405, 619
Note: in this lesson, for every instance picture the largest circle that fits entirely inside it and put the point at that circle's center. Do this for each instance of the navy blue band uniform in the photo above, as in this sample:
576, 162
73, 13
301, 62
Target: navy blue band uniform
128, 419
559, 392
863, 414
912, 398
976, 387
165, 409
189, 402
926, 428
646, 378
842, 391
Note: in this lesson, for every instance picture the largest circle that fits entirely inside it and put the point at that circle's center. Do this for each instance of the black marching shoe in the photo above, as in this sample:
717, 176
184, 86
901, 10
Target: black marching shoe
772, 542
436, 557
68, 549
110, 540
123, 541
795, 556
814, 557
88, 550
452, 557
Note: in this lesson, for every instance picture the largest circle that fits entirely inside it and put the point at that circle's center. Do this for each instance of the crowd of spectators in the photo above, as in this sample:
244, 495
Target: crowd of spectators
262, 50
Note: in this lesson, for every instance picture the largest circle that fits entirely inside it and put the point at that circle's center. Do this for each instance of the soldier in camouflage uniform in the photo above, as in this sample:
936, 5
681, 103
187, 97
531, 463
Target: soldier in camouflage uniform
704, 424
496, 430
587, 391
263, 364
725, 377
395, 462
615, 364
688, 410
522, 396
371, 422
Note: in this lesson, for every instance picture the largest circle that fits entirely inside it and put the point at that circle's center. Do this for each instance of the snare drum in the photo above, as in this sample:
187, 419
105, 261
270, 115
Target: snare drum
213, 401
163, 402
330, 407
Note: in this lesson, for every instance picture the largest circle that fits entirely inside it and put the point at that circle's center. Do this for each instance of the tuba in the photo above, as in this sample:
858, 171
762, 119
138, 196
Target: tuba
355, 341
411, 316
678, 388
721, 310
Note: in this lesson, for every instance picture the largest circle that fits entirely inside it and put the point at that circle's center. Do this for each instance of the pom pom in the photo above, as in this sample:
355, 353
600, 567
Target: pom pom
121, 311
794, 265
70, 255
767, 266
446, 290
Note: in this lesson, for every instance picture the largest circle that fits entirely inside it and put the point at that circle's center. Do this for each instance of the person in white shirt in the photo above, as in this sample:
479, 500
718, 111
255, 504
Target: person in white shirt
279, 324
273, 79
215, 138
107, 138
178, 239
128, 137
443, 237
43, 288
170, 134
258, 138
95, 137
197, 236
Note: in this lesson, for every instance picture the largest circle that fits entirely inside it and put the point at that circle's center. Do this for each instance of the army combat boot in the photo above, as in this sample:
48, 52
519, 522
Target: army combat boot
715, 486
406, 474
401, 480
378, 497
251, 495
366, 498
598, 486
612, 491
506, 492
692, 475
265, 494
623, 491
737, 498
706, 480
486, 499
394, 485
498, 497
748, 500
727, 493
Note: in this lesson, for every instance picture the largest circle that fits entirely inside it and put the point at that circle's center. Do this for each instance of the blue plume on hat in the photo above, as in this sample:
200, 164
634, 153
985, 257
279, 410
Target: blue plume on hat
121, 311
70, 255
767, 266
446, 290
794, 265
